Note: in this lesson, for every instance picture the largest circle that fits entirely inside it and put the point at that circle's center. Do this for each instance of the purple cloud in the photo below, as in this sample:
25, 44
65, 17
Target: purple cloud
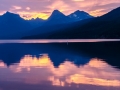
94, 7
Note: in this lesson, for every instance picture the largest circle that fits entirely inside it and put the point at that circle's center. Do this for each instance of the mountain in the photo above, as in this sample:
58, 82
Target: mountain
106, 26
112, 15
55, 22
57, 17
79, 15
44, 32
13, 26
36, 22
58, 22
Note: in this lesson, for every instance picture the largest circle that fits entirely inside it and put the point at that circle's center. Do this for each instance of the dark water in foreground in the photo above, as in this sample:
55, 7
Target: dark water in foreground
61, 66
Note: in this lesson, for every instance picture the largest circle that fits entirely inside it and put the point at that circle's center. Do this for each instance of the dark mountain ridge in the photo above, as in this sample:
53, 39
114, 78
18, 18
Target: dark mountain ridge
57, 17
36, 22
44, 32
106, 26
58, 22
12, 25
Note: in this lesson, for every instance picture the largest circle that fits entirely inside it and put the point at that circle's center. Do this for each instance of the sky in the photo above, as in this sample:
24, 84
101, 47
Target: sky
43, 8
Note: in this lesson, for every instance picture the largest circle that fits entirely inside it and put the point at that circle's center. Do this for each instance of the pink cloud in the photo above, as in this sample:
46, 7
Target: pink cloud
94, 7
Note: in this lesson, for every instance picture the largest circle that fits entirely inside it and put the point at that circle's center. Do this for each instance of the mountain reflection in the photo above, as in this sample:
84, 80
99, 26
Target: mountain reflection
33, 70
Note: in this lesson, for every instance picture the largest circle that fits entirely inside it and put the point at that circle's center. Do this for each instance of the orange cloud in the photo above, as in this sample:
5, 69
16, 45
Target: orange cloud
29, 15
35, 8
98, 12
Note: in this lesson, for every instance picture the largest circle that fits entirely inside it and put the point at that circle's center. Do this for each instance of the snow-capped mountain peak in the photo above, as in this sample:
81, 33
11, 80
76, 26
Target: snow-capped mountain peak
79, 15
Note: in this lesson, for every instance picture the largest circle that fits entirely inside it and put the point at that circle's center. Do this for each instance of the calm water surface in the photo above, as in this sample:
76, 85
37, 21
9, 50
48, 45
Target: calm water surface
57, 40
29, 65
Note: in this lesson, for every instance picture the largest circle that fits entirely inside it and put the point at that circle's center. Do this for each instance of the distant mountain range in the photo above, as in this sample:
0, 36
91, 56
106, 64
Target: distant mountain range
58, 17
12, 26
77, 25
103, 27
106, 26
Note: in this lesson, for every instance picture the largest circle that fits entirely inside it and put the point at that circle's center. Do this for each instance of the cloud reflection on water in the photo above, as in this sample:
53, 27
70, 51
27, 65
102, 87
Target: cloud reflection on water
33, 70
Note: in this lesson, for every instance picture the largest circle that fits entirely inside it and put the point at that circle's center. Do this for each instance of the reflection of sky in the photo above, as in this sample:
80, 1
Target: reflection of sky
32, 70
57, 40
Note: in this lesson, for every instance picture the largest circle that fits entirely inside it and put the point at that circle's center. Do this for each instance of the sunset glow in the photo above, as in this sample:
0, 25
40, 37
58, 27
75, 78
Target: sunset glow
43, 8
28, 15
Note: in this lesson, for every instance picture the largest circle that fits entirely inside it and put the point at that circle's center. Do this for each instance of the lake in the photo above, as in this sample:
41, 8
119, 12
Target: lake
92, 64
